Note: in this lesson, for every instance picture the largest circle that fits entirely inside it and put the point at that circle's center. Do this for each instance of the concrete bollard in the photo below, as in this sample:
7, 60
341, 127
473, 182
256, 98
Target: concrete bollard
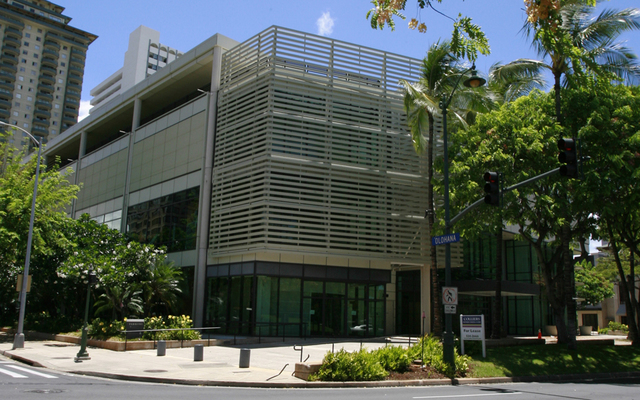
198, 352
245, 356
162, 348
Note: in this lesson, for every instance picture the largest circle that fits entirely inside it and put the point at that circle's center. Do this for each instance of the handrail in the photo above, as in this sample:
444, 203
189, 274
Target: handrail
165, 329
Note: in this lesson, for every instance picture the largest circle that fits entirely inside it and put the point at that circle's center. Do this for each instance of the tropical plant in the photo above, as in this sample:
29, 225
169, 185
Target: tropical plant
119, 302
161, 287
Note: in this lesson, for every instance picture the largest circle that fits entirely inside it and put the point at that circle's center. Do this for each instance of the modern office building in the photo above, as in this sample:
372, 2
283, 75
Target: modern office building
280, 174
41, 67
144, 57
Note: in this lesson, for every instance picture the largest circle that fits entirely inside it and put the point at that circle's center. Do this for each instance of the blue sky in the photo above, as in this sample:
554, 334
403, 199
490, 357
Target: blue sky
185, 24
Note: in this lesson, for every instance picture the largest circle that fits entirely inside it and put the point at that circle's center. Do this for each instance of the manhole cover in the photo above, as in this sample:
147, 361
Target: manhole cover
45, 391
155, 370
62, 358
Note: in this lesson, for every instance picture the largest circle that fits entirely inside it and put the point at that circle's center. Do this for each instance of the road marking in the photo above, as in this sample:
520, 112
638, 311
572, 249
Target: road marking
11, 374
467, 395
32, 372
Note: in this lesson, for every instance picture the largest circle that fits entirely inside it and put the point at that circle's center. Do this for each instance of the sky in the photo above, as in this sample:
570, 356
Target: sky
185, 24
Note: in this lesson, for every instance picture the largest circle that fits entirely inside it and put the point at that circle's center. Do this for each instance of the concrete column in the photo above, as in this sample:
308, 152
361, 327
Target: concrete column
135, 123
204, 207
82, 151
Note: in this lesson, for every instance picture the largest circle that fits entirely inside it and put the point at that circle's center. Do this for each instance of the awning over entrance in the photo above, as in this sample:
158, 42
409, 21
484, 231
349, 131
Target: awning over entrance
622, 310
488, 288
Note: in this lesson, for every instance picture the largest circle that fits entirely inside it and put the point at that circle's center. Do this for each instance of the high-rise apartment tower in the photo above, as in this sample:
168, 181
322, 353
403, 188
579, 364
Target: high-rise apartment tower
42, 62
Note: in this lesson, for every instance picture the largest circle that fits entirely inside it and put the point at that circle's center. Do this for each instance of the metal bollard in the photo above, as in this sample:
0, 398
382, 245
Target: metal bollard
245, 355
198, 352
162, 348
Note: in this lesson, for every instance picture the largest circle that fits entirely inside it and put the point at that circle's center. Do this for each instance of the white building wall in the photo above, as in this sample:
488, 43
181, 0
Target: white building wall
144, 56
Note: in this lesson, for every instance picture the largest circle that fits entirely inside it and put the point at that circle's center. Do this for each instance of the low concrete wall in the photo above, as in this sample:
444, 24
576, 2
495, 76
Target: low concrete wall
303, 370
120, 346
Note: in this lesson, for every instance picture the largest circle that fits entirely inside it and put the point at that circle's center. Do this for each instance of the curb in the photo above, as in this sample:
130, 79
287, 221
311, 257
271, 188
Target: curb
568, 378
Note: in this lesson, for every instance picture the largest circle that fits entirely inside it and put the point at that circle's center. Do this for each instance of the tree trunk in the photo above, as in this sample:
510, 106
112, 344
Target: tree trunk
569, 286
496, 328
436, 307
624, 291
633, 311
556, 88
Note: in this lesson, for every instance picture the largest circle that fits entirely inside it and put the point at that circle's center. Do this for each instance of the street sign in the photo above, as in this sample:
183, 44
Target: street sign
444, 239
450, 308
450, 295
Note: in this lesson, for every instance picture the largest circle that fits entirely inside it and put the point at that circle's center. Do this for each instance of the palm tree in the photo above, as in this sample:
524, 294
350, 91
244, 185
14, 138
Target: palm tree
580, 44
440, 72
161, 289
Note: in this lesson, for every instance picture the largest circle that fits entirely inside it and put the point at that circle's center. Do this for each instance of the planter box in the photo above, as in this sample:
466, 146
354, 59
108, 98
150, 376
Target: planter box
585, 330
303, 370
120, 346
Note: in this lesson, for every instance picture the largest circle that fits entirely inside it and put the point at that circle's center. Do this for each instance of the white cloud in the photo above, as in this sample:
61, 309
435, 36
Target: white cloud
325, 24
84, 110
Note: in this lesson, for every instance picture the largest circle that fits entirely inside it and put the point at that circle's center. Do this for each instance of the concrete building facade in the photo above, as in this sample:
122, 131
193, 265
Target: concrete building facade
144, 56
41, 68
279, 173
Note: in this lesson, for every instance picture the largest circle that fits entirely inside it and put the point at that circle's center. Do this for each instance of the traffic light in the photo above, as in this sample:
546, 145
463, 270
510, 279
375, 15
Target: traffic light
492, 188
569, 157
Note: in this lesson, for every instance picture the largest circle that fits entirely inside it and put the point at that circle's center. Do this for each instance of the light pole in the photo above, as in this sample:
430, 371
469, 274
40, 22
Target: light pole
18, 340
82, 353
473, 82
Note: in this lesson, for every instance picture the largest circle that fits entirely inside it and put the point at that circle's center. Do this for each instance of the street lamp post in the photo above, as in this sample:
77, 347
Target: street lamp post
473, 82
82, 353
18, 340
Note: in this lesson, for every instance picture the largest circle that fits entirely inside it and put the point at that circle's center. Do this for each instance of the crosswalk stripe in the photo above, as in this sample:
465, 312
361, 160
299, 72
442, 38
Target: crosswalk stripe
32, 372
11, 373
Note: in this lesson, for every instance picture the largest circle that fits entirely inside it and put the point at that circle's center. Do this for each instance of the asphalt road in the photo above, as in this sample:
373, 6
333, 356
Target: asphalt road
21, 382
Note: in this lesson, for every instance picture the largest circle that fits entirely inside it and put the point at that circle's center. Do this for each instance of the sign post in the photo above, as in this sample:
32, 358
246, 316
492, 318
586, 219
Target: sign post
472, 328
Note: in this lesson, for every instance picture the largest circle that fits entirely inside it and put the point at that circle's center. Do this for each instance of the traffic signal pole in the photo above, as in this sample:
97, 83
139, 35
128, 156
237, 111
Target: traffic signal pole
507, 189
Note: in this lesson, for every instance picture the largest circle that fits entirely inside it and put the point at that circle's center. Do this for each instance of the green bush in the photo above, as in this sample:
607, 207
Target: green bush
103, 330
172, 322
44, 322
344, 366
433, 357
614, 326
393, 358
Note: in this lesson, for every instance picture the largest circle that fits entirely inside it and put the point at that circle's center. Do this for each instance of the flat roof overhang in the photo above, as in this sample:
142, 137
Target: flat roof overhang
487, 288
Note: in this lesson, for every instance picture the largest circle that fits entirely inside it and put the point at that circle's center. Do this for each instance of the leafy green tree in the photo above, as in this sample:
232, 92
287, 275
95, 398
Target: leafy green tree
518, 140
595, 286
16, 193
610, 136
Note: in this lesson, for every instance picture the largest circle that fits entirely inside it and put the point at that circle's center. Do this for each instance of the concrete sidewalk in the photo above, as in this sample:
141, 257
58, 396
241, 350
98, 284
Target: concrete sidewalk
271, 364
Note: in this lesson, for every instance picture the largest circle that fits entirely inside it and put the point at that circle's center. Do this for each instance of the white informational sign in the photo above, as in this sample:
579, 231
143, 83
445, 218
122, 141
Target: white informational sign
472, 328
449, 309
450, 295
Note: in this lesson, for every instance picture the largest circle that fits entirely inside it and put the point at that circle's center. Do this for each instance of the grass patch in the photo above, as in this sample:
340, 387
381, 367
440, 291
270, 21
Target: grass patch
554, 359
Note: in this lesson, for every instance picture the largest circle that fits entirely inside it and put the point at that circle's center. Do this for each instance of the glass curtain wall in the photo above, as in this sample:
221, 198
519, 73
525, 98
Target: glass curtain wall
290, 306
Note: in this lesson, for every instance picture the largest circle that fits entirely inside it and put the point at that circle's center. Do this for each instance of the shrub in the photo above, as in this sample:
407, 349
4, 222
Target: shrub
344, 366
433, 357
44, 322
103, 330
172, 322
393, 358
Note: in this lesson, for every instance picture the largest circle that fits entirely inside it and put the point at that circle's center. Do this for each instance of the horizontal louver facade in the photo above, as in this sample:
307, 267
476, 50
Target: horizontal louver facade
313, 153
